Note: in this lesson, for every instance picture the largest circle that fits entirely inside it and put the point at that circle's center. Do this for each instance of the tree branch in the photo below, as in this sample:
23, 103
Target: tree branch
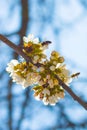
19, 51
74, 96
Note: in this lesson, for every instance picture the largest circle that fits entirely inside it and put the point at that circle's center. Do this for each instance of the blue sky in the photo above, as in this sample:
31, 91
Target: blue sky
67, 30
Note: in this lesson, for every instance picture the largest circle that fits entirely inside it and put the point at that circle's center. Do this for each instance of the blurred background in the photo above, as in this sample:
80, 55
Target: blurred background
64, 22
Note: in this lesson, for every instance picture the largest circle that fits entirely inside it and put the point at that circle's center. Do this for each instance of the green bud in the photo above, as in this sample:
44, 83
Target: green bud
60, 59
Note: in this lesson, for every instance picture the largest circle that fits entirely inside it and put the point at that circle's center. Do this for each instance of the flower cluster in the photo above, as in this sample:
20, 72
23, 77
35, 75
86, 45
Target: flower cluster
33, 48
46, 87
22, 73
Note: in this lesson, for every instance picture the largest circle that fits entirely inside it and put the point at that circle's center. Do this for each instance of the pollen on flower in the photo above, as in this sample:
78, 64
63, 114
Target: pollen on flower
55, 82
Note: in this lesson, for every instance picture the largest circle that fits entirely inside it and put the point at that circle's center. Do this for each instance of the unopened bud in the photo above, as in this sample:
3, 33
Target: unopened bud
60, 59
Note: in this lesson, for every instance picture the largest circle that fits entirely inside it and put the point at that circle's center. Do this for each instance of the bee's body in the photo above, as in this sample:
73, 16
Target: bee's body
75, 75
46, 43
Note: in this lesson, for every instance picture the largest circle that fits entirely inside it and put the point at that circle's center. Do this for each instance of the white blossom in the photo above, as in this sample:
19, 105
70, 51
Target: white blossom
46, 91
65, 72
36, 57
52, 67
30, 38
41, 82
45, 101
47, 87
41, 69
10, 66
30, 78
34, 68
38, 77
51, 83
52, 57
55, 62
37, 97
52, 100
44, 47
68, 81
58, 65
61, 95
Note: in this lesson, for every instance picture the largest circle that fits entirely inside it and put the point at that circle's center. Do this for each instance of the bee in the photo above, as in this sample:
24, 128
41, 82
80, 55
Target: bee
46, 43
75, 75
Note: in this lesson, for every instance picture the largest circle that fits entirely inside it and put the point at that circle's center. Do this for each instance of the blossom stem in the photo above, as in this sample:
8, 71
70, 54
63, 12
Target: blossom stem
19, 51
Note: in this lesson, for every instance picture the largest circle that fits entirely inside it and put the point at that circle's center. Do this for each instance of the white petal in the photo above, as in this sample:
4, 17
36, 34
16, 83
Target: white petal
66, 72
45, 101
25, 39
36, 57
58, 65
30, 37
46, 91
15, 62
37, 97
52, 103
45, 47
69, 80
55, 62
52, 68
36, 40
10, 67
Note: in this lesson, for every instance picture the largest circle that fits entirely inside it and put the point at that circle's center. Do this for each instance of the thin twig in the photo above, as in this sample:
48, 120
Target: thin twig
19, 51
